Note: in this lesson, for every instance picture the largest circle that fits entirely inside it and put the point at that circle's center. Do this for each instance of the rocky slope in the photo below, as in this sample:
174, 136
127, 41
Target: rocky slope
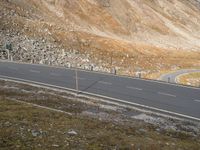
128, 34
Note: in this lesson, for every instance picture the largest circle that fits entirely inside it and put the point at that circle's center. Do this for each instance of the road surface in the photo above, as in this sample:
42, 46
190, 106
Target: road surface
171, 77
157, 95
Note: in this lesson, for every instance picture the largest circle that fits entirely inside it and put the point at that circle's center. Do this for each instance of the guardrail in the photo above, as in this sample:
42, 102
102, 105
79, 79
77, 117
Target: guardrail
142, 108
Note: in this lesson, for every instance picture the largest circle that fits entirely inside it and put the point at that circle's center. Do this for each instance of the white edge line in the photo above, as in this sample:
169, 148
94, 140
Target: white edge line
88, 96
166, 94
103, 73
34, 71
134, 88
106, 83
196, 100
101, 96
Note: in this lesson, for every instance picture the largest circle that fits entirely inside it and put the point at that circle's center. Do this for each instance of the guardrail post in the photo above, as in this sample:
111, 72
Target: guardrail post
11, 58
76, 74
168, 79
115, 71
140, 75
92, 68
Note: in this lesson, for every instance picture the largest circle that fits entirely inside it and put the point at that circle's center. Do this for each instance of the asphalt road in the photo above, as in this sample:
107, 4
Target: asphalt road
171, 77
176, 99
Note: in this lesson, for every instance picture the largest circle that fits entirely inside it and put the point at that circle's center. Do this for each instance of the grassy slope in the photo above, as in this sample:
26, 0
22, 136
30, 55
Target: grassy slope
19, 122
192, 79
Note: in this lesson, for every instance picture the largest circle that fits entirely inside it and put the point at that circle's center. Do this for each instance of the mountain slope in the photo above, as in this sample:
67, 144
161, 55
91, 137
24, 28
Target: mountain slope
174, 23
131, 31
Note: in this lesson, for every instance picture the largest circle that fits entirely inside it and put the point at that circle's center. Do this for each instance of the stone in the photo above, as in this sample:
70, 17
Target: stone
72, 133
35, 133
142, 131
55, 145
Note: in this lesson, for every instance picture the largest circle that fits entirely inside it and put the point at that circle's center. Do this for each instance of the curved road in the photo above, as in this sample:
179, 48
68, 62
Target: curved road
158, 96
171, 77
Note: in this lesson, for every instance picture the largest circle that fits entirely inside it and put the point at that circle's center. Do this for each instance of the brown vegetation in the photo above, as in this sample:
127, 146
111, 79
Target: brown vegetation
153, 35
30, 118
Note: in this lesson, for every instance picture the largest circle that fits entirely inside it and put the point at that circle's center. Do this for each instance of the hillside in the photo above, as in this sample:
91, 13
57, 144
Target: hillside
128, 34
60, 120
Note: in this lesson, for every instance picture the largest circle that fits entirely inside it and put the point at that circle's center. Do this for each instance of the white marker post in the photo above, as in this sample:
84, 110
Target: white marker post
76, 74
168, 79
8, 54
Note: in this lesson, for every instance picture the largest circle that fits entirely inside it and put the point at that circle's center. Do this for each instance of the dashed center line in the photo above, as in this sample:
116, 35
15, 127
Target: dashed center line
35, 71
13, 68
55, 74
106, 83
196, 100
134, 88
166, 94
79, 78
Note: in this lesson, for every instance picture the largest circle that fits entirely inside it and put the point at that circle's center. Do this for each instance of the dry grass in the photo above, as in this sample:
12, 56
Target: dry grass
24, 126
192, 79
110, 31
156, 75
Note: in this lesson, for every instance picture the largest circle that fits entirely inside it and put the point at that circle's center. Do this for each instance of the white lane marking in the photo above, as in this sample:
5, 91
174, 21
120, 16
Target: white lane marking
79, 78
196, 100
55, 74
106, 83
34, 71
102, 73
18, 80
134, 88
13, 68
166, 94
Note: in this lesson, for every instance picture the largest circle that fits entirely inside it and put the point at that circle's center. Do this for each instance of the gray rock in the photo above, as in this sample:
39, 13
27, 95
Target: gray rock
72, 132
55, 145
35, 133
142, 131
